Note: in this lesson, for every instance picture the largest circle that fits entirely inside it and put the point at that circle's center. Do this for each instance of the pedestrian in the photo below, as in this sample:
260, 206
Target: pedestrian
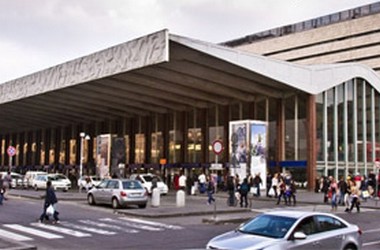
292, 193
325, 188
6, 185
243, 190
210, 190
342, 187
50, 199
333, 189
154, 183
231, 190
282, 188
269, 183
355, 199
347, 195
182, 181
257, 181
275, 184
1, 190
202, 182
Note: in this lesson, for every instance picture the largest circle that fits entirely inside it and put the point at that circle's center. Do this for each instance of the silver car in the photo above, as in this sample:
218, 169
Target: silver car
291, 230
118, 193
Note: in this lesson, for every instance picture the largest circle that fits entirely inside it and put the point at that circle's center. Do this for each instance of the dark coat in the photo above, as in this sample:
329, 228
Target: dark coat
50, 197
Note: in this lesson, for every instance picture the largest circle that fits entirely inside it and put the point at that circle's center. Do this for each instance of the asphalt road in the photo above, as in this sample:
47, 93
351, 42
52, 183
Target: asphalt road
98, 227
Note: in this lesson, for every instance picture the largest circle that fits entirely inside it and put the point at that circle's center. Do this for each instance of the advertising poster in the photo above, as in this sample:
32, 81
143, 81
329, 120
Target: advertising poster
103, 151
239, 148
258, 141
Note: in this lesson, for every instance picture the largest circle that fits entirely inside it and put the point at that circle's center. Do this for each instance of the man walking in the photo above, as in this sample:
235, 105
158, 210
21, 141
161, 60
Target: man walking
50, 199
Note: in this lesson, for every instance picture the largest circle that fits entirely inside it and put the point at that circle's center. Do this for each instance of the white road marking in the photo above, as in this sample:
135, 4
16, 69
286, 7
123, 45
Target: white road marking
114, 227
130, 224
152, 223
371, 243
61, 230
88, 229
33, 231
13, 236
372, 230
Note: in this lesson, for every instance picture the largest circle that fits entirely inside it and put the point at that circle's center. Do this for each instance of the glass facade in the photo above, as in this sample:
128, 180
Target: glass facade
348, 124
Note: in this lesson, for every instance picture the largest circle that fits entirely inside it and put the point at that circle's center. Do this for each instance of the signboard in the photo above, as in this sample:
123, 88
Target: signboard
217, 147
11, 151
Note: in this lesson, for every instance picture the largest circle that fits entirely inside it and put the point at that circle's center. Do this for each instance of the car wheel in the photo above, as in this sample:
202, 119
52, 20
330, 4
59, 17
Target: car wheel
142, 205
115, 203
350, 247
90, 199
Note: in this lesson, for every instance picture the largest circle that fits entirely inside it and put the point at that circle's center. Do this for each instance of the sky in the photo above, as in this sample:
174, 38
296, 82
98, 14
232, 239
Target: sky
38, 34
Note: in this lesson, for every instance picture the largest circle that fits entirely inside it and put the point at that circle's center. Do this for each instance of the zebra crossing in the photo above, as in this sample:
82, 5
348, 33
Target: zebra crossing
82, 228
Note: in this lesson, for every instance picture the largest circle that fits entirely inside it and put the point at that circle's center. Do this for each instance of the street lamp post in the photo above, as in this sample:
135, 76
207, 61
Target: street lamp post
83, 137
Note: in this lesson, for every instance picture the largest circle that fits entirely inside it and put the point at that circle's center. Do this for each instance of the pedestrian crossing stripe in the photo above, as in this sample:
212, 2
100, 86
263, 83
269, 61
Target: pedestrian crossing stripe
88, 229
13, 236
33, 231
131, 224
104, 225
61, 230
152, 223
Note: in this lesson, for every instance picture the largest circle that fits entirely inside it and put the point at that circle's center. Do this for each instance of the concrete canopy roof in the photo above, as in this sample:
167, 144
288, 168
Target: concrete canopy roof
158, 73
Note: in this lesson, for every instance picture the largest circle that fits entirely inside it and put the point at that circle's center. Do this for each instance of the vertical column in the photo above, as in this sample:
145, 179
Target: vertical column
311, 142
280, 152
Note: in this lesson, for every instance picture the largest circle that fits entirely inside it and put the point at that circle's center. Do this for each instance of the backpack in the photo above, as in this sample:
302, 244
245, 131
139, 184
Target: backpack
244, 188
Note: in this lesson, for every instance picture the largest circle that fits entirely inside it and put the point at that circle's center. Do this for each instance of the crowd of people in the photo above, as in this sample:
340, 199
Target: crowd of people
347, 192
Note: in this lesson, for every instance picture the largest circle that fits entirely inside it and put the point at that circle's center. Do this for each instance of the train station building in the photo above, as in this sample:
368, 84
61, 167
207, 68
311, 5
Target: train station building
159, 102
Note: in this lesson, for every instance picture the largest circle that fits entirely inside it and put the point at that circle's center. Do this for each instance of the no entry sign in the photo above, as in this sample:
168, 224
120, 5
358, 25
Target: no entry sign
11, 151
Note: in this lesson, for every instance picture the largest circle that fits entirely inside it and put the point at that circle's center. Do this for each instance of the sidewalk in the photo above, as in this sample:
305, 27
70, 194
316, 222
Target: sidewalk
194, 205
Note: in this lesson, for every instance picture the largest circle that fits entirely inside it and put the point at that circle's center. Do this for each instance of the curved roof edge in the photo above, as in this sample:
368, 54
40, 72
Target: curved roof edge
312, 79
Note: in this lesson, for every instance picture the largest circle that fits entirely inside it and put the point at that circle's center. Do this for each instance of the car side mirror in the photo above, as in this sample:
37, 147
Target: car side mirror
299, 236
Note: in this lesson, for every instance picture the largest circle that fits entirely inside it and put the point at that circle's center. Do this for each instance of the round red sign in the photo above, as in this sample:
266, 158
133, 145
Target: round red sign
217, 147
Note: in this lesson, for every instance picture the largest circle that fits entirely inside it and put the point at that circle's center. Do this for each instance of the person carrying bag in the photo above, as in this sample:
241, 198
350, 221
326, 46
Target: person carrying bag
50, 202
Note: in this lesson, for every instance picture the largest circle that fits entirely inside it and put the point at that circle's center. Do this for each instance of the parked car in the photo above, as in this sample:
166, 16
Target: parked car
291, 230
118, 193
17, 179
146, 181
58, 182
30, 176
93, 180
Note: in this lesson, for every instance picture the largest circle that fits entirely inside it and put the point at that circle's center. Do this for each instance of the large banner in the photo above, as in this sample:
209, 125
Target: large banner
239, 148
258, 141
103, 155
248, 146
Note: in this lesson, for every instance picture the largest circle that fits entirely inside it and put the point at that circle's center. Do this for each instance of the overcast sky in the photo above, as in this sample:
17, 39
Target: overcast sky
37, 34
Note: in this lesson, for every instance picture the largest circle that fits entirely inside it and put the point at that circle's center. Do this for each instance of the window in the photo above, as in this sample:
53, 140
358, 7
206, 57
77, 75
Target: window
103, 184
307, 226
326, 223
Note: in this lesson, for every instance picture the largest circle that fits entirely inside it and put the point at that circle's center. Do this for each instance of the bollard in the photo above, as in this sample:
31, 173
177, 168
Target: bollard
180, 198
155, 197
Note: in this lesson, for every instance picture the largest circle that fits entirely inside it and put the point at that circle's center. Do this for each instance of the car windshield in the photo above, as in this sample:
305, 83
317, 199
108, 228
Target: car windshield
148, 178
268, 225
131, 185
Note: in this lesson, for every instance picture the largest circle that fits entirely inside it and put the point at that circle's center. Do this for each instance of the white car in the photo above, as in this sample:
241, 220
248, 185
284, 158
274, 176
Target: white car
146, 181
279, 230
30, 176
17, 179
93, 181
58, 181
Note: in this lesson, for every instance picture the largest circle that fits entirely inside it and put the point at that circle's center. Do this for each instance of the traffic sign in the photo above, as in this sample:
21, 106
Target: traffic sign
217, 147
11, 151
